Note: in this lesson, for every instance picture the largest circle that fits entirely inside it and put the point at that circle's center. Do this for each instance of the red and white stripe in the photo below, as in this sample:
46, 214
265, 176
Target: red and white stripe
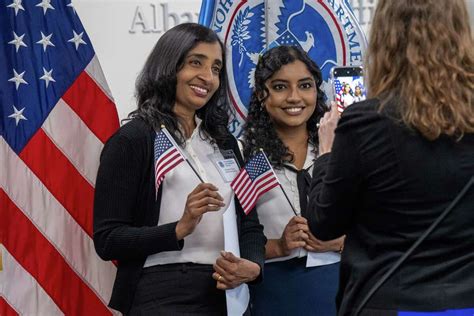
165, 163
46, 193
6, 309
339, 102
23, 286
249, 191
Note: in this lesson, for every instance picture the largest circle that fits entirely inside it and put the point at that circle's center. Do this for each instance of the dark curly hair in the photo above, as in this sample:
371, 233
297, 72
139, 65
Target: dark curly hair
156, 84
259, 131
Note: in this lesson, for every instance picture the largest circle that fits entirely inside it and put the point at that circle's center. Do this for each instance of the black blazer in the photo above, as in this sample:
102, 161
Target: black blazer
126, 211
383, 185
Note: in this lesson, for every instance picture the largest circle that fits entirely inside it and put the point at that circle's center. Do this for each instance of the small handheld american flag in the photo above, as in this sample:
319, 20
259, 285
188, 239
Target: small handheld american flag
167, 155
254, 179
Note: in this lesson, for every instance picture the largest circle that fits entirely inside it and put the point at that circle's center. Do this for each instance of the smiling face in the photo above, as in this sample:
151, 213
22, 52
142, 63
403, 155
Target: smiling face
357, 91
292, 96
347, 88
198, 79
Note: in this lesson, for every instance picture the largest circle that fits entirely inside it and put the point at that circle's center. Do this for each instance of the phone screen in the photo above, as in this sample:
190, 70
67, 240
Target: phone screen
349, 88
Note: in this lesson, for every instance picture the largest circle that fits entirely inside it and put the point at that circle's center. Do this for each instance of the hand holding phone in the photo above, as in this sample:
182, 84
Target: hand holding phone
348, 86
327, 126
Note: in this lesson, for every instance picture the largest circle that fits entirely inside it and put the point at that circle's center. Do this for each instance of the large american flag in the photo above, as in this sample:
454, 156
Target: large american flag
56, 112
167, 155
253, 180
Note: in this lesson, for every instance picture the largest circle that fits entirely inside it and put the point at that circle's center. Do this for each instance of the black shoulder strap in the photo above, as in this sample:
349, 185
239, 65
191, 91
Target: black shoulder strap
397, 264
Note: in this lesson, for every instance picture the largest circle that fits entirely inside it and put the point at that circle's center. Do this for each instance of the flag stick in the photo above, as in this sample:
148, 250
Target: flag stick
163, 128
195, 171
281, 187
292, 207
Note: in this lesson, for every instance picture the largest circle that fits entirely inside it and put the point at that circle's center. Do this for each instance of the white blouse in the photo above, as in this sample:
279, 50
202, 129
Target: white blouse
275, 212
205, 243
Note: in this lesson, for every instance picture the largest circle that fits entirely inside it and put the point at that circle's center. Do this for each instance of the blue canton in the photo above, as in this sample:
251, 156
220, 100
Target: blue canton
39, 60
257, 166
337, 85
162, 144
287, 38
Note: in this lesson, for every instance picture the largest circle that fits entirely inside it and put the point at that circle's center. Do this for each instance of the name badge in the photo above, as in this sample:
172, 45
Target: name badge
228, 168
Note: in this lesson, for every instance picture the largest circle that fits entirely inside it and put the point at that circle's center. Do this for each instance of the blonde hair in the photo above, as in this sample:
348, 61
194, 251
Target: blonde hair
422, 52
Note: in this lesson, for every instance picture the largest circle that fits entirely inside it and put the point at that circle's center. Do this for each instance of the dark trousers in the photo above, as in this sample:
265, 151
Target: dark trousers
178, 289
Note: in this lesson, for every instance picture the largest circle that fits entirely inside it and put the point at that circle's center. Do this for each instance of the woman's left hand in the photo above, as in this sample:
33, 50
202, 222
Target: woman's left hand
315, 245
231, 271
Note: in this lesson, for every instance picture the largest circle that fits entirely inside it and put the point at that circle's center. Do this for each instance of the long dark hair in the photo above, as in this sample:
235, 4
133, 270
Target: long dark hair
259, 131
156, 84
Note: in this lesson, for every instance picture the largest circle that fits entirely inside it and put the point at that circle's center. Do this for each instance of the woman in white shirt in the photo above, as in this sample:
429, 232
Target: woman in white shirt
285, 106
168, 242
344, 97
358, 94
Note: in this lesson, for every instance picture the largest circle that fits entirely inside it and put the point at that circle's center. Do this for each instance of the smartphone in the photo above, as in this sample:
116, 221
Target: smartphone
348, 86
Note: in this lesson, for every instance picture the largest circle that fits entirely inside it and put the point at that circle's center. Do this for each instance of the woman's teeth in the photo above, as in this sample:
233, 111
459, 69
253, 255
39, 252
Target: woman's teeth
199, 90
293, 110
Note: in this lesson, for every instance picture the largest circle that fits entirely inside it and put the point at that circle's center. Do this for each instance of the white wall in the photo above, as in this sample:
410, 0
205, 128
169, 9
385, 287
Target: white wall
123, 33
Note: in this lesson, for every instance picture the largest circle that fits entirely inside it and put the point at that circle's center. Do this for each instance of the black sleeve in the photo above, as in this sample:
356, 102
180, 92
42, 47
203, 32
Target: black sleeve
334, 188
251, 239
118, 202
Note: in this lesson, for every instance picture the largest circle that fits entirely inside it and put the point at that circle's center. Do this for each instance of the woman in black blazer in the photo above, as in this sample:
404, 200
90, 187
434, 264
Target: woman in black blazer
399, 159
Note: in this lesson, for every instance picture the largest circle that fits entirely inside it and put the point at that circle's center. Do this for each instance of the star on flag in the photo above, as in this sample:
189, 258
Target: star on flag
47, 76
77, 39
45, 41
45, 4
17, 115
18, 79
16, 4
18, 41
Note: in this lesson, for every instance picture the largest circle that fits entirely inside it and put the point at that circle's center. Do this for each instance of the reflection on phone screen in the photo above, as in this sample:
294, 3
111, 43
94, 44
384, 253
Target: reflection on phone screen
348, 91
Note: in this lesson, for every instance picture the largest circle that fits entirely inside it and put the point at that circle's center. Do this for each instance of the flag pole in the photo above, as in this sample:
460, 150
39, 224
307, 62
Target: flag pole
279, 184
164, 130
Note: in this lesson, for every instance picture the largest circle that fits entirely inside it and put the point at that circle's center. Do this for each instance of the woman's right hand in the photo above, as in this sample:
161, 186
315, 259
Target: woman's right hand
315, 245
204, 198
